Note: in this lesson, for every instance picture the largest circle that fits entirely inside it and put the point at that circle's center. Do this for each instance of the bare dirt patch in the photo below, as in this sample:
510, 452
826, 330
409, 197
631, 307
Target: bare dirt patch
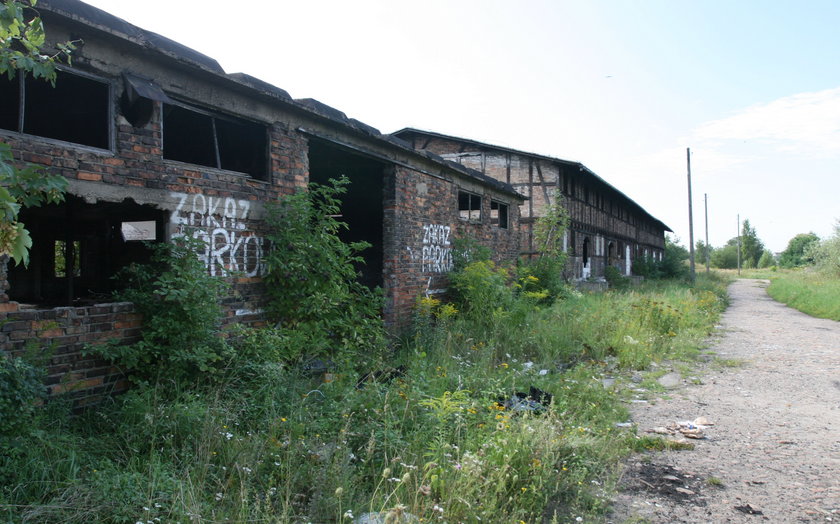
773, 451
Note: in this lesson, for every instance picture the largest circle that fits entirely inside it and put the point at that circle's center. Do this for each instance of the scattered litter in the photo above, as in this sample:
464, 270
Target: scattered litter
535, 400
749, 509
543, 372
315, 366
624, 425
396, 515
693, 430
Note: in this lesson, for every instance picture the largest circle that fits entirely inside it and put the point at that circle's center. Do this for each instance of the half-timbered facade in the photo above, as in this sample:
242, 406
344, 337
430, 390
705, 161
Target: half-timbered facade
606, 227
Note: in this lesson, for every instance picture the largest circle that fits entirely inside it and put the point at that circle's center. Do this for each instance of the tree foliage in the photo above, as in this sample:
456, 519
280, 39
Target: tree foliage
797, 252
312, 281
21, 39
826, 254
549, 231
701, 251
672, 265
751, 246
726, 257
767, 259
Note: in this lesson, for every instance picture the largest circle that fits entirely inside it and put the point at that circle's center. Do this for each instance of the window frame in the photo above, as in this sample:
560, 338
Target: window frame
497, 221
470, 209
214, 116
109, 84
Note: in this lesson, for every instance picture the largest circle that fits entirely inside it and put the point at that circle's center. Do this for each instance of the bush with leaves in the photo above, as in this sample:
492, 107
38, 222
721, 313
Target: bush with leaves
21, 386
21, 38
672, 265
550, 265
311, 279
798, 250
615, 279
180, 304
826, 254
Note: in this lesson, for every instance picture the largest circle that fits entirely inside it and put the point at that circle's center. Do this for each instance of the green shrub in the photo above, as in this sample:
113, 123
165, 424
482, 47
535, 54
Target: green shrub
826, 254
615, 279
311, 278
550, 265
482, 288
180, 304
672, 264
21, 386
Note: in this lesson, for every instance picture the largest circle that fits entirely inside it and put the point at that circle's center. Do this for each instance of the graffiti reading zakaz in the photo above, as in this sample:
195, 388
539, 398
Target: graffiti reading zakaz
437, 251
221, 223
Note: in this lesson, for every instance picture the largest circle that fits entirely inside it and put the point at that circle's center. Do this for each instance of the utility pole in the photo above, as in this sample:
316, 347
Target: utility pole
706, 205
739, 244
690, 219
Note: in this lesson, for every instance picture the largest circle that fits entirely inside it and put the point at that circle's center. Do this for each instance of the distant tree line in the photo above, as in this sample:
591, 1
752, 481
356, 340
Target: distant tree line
804, 249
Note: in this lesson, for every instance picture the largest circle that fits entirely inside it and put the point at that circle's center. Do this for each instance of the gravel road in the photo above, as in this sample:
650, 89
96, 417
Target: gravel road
773, 451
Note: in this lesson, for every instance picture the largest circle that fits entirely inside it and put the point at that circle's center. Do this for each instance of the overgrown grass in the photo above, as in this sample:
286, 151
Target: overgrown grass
812, 292
436, 439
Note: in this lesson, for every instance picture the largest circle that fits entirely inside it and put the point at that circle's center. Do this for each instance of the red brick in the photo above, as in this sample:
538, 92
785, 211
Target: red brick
86, 175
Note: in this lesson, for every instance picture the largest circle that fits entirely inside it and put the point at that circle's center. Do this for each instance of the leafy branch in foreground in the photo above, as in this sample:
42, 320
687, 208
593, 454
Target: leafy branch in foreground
21, 39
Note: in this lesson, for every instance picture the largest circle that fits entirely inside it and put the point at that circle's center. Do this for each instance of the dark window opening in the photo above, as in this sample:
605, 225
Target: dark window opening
585, 251
75, 110
469, 206
9, 103
82, 240
362, 207
499, 214
209, 140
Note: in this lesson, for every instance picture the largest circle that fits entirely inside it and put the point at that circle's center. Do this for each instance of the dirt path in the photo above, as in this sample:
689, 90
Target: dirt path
775, 443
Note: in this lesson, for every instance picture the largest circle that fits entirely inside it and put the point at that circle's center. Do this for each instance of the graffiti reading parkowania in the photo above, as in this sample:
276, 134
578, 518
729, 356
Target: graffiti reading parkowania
221, 224
437, 251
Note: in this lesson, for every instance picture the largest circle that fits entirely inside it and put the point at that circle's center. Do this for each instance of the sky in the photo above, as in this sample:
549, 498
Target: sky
623, 86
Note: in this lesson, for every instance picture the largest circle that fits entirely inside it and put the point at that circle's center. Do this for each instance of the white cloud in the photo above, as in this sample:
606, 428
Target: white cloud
804, 123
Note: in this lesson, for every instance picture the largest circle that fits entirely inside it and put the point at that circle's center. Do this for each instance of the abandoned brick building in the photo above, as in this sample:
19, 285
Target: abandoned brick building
156, 140
606, 227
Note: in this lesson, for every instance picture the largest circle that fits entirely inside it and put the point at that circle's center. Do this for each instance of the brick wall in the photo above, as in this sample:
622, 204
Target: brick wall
421, 226
60, 334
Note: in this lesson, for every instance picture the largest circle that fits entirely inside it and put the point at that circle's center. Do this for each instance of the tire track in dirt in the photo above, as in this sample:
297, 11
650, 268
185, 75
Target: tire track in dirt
775, 442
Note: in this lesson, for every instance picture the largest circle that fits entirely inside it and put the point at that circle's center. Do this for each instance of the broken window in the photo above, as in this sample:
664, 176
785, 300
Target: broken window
78, 247
76, 110
199, 137
499, 214
469, 206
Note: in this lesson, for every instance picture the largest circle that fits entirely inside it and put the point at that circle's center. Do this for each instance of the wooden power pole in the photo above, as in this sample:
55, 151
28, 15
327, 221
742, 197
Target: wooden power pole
690, 219
706, 206
739, 244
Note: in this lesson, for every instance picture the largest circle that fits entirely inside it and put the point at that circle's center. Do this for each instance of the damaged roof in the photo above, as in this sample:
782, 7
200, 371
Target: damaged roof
94, 17
571, 163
